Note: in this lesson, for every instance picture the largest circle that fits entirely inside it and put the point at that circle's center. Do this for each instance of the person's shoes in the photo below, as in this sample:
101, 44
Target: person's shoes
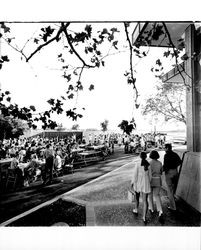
135, 211
160, 217
144, 221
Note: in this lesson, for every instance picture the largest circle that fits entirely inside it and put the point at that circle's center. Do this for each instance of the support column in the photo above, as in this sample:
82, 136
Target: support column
193, 95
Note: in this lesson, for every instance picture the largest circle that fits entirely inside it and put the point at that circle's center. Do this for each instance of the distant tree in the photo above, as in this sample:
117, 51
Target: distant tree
75, 127
104, 125
11, 127
127, 127
168, 101
60, 127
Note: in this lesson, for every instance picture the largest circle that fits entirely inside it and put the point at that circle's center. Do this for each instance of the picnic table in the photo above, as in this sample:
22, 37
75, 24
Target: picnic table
89, 156
96, 147
77, 150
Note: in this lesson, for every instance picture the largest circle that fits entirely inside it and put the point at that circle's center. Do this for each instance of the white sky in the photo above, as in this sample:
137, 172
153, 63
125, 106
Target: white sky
112, 99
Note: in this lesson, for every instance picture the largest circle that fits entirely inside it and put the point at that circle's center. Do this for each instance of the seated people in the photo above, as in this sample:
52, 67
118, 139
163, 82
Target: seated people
58, 161
31, 171
18, 172
22, 154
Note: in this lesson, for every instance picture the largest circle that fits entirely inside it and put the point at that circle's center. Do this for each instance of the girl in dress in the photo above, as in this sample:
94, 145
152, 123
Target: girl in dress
141, 183
156, 182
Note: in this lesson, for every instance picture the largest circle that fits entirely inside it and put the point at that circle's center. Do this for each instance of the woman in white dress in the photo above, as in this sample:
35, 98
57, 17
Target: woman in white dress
141, 183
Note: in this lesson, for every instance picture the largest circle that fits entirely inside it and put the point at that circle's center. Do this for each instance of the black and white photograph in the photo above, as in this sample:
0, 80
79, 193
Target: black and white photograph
100, 131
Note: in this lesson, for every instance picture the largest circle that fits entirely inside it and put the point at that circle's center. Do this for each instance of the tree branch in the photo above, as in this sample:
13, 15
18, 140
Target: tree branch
73, 49
131, 59
16, 49
50, 41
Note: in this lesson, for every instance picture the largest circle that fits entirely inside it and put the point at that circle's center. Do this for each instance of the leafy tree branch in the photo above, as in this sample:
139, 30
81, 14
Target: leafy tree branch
131, 78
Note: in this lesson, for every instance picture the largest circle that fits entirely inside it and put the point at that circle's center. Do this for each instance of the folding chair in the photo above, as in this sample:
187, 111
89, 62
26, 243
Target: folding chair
11, 179
69, 168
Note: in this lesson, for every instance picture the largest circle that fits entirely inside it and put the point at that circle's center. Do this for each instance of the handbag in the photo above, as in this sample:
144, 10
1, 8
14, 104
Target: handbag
131, 196
156, 181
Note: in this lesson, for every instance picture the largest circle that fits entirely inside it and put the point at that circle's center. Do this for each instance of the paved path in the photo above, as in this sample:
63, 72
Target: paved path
106, 200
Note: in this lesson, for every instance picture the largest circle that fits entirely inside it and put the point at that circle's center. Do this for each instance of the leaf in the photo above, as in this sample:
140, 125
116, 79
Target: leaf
70, 87
71, 96
63, 97
91, 87
5, 28
110, 37
68, 77
7, 92
98, 53
114, 30
34, 126
51, 101
157, 32
5, 58
80, 87
115, 44
144, 53
88, 29
166, 53
105, 31
90, 49
8, 99
36, 40
184, 57
158, 62
32, 108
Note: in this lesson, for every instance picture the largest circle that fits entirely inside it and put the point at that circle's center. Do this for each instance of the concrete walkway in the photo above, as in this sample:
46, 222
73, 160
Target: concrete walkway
107, 204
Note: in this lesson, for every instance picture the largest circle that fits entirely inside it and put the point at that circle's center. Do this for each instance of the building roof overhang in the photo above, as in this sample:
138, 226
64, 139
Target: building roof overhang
175, 29
175, 75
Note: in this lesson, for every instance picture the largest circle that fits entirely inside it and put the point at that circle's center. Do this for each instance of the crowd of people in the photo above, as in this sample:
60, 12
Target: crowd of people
135, 143
147, 180
45, 157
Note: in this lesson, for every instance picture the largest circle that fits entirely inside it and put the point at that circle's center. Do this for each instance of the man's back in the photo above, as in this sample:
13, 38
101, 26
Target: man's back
171, 160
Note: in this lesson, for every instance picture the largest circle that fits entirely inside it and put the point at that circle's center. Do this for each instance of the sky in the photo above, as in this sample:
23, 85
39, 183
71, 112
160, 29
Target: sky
35, 82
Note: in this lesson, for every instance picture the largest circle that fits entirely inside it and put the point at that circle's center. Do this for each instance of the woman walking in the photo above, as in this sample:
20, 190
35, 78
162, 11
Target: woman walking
141, 184
156, 182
